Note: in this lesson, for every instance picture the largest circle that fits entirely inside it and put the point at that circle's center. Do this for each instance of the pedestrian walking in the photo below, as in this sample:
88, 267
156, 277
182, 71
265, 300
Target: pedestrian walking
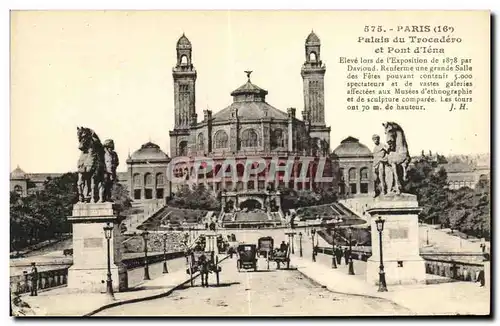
480, 278
346, 256
338, 255
34, 280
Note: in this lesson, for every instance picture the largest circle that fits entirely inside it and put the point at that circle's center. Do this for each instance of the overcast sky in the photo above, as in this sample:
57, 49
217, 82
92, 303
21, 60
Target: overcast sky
112, 72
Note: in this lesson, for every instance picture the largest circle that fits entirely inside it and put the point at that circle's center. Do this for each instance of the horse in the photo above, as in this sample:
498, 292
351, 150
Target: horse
398, 156
90, 166
205, 267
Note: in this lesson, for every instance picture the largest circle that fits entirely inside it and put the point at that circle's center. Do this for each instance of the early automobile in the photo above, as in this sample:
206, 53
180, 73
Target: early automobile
247, 257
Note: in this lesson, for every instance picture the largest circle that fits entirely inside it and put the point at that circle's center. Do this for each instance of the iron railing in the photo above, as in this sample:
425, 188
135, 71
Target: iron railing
44, 280
451, 266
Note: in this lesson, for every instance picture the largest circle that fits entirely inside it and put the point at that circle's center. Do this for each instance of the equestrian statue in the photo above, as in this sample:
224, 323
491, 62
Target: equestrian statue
391, 160
96, 167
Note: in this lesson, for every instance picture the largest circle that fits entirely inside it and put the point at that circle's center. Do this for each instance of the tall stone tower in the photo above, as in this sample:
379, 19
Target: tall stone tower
184, 76
313, 75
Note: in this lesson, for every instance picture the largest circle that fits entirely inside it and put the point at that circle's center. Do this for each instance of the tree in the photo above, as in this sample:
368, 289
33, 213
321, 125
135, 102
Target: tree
466, 210
43, 215
198, 198
430, 187
121, 197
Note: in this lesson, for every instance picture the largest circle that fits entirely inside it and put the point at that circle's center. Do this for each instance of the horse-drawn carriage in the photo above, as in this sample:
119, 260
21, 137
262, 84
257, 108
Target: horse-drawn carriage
279, 255
265, 246
247, 257
204, 262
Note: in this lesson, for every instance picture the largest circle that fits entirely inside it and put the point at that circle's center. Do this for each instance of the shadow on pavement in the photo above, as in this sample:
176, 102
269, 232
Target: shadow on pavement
221, 285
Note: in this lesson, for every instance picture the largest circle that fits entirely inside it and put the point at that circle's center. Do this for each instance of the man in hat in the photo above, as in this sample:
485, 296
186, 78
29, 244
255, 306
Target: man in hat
379, 162
111, 163
34, 280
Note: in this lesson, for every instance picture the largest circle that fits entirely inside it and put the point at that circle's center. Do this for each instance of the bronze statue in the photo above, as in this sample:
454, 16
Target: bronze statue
111, 163
96, 167
398, 157
379, 165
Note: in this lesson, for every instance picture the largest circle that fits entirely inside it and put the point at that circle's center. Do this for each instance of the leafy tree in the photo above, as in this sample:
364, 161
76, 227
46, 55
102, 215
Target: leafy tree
430, 187
121, 197
197, 198
466, 210
291, 198
43, 215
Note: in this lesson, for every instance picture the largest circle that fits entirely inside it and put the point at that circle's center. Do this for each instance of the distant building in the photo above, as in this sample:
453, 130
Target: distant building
28, 183
355, 168
146, 173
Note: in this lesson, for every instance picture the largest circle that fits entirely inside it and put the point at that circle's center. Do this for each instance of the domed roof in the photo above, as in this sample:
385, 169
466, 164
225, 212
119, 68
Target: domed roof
352, 147
17, 173
312, 39
249, 103
250, 111
249, 88
149, 151
183, 42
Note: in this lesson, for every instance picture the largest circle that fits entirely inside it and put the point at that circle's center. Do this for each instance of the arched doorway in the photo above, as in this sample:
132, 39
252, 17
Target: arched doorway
250, 205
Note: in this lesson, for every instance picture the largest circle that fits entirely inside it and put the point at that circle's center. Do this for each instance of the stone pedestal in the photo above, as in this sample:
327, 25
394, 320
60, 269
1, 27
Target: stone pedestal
89, 270
400, 241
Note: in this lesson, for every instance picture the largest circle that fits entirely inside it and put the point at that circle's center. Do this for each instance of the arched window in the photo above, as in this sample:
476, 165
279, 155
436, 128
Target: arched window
352, 174
363, 174
183, 148
341, 174
201, 141
277, 139
220, 139
18, 190
137, 180
148, 180
249, 138
312, 56
184, 59
160, 179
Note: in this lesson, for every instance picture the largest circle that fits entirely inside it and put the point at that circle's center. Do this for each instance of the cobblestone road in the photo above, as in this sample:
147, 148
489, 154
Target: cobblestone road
262, 293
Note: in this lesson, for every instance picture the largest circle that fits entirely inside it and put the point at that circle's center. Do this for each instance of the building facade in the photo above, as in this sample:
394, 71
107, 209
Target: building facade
295, 150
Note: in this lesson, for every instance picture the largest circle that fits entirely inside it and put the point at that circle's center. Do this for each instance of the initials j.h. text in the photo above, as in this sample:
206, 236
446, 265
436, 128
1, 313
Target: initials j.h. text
462, 106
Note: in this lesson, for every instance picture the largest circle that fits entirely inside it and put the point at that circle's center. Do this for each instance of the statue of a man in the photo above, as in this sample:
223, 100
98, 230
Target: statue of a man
379, 162
111, 163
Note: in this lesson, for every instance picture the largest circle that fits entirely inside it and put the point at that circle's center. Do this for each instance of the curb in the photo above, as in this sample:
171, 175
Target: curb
152, 297
368, 296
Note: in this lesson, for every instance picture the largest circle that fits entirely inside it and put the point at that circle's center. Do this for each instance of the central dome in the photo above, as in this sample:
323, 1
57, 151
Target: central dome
249, 103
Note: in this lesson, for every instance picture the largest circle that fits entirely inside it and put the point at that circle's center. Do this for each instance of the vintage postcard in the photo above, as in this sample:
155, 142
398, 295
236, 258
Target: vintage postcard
250, 163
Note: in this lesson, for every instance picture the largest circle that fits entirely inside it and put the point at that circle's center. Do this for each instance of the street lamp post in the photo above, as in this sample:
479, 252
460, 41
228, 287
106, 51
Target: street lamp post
332, 231
165, 268
145, 235
382, 287
313, 232
109, 282
351, 266
293, 236
300, 244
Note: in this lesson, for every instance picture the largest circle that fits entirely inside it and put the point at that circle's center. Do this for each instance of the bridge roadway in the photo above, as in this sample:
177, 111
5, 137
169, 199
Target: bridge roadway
261, 293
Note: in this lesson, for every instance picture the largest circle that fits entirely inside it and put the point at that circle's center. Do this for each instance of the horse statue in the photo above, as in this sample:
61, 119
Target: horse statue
91, 166
398, 157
